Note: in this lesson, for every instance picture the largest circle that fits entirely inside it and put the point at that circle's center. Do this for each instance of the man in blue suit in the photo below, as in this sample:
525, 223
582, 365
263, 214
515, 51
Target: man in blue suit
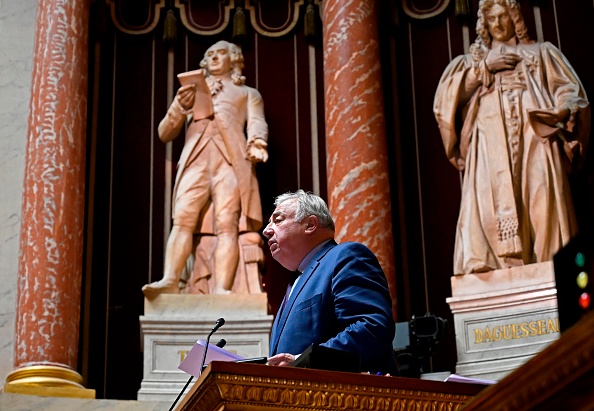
340, 298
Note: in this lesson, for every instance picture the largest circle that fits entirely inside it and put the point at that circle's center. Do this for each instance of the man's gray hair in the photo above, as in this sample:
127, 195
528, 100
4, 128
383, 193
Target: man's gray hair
308, 204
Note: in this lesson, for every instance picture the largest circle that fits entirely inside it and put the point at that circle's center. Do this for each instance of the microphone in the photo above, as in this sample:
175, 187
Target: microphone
218, 325
220, 322
222, 342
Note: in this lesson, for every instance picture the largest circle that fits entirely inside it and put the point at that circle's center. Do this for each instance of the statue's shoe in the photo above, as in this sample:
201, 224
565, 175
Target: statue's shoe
152, 290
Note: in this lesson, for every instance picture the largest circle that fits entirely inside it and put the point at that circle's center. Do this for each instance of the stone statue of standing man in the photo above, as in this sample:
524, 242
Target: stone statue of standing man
514, 118
216, 182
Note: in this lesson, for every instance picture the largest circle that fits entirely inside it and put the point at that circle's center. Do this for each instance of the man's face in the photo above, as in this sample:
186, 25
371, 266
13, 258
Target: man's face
218, 60
501, 26
286, 237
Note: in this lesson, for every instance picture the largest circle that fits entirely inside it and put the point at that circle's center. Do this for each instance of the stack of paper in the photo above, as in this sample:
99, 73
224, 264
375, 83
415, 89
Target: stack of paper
191, 364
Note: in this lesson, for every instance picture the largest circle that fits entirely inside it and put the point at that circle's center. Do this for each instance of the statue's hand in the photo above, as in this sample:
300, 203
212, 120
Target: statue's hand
185, 96
256, 150
555, 117
498, 62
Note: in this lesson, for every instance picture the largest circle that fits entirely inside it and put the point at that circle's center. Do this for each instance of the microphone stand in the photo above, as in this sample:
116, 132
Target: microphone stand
220, 344
218, 325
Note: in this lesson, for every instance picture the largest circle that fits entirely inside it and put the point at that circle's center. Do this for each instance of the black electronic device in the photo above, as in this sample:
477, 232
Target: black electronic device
574, 268
416, 341
256, 360
330, 359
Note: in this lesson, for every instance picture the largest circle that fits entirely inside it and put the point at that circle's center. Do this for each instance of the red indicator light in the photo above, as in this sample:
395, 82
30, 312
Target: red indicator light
584, 301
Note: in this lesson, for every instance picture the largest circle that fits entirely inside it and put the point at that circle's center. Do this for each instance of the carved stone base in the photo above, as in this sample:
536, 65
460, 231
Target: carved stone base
503, 318
173, 323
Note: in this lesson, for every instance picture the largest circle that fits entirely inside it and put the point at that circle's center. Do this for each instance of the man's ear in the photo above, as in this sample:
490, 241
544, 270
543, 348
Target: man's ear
312, 224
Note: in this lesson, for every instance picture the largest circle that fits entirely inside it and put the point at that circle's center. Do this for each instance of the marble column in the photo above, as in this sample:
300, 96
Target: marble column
51, 236
357, 163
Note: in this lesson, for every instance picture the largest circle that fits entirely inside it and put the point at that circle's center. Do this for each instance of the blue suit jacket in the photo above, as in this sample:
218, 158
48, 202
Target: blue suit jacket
341, 301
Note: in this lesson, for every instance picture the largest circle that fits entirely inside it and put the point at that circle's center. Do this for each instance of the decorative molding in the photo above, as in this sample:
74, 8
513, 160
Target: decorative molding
187, 17
228, 390
220, 15
418, 13
152, 12
329, 396
256, 17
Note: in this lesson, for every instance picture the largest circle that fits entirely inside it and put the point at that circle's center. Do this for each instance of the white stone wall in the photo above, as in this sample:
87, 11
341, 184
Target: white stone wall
17, 33
18, 402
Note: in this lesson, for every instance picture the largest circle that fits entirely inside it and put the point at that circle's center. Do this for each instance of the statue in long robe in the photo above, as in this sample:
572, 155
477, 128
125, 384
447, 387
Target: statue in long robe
515, 119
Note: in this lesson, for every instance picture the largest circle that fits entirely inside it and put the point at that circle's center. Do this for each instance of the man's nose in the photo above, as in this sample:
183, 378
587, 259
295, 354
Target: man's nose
267, 232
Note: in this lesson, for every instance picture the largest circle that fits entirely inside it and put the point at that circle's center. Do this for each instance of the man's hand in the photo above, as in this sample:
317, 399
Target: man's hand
256, 150
185, 96
281, 360
498, 62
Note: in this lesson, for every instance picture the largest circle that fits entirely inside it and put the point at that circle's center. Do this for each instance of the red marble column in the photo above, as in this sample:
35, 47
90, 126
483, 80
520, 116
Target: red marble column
358, 178
51, 237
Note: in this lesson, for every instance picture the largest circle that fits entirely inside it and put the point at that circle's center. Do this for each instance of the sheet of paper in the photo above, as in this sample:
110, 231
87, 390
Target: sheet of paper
203, 101
459, 378
191, 364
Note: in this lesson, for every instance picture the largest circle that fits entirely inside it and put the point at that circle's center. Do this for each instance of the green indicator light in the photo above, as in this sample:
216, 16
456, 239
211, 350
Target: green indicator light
582, 280
580, 260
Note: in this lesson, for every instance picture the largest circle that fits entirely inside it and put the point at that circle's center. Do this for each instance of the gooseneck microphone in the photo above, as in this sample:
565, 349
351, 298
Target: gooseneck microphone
220, 322
222, 342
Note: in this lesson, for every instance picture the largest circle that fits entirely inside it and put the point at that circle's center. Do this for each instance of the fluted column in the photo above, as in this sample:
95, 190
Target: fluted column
357, 164
51, 236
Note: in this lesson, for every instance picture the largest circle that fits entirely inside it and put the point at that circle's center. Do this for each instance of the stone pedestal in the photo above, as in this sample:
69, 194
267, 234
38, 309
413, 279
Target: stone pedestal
172, 323
502, 318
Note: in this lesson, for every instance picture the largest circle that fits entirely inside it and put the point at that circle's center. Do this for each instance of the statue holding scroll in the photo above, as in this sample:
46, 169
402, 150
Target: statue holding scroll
515, 119
216, 192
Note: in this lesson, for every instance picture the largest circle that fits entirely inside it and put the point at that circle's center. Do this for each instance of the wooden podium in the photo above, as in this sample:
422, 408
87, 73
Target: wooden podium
251, 387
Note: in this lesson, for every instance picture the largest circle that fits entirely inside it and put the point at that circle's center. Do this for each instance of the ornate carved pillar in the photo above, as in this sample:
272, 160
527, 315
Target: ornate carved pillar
358, 178
51, 237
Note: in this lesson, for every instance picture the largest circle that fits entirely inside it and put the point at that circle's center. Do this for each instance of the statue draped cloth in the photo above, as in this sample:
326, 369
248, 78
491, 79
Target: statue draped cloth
516, 206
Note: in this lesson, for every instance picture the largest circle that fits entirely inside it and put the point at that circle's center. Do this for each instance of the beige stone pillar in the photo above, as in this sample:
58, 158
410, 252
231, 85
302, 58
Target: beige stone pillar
357, 164
51, 237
